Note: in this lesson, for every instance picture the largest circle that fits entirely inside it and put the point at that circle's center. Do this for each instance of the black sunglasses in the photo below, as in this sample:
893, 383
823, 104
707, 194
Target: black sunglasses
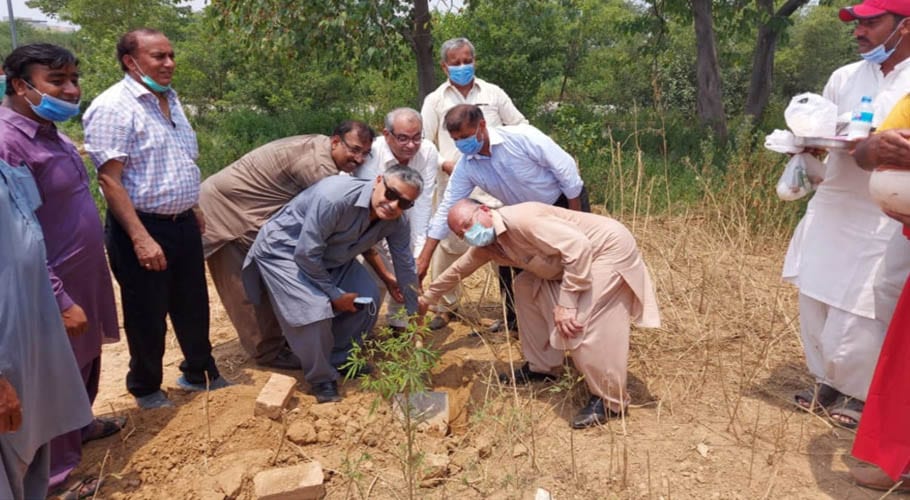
392, 194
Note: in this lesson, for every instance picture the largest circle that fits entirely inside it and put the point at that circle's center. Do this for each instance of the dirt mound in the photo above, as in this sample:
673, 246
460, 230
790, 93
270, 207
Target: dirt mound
711, 417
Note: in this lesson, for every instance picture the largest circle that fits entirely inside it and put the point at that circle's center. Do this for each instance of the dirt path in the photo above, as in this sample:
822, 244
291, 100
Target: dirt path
711, 417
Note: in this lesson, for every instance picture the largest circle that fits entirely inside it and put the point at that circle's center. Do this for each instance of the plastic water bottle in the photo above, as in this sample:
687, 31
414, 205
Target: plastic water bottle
861, 120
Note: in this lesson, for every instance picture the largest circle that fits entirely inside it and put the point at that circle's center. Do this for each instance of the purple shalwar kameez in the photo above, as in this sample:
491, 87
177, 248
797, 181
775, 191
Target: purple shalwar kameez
74, 239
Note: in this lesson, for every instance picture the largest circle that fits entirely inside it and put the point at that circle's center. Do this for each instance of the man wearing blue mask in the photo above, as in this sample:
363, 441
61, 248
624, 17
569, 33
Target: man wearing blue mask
514, 164
44, 88
838, 250
145, 150
583, 284
458, 62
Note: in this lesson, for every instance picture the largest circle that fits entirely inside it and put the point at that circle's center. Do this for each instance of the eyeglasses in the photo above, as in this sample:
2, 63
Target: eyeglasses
403, 140
392, 194
357, 150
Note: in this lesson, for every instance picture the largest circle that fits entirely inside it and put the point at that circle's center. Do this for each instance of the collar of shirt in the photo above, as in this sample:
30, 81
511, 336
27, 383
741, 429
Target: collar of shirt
477, 88
25, 124
499, 225
139, 90
366, 193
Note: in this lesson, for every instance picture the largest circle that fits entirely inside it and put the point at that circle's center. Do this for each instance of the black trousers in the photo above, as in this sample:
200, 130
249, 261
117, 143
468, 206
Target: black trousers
506, 273
148, 297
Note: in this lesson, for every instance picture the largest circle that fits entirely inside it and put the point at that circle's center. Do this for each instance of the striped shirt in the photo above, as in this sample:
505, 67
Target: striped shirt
125, 123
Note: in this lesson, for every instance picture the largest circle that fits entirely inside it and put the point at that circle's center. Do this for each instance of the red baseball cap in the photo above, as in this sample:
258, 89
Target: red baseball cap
875, 8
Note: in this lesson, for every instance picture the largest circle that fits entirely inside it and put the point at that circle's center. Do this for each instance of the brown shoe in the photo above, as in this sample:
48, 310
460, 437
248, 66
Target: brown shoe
870, 476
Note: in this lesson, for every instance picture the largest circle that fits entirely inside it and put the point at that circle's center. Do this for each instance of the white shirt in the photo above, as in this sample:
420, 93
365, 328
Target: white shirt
425, 162
496, 105
839, 245
524, 165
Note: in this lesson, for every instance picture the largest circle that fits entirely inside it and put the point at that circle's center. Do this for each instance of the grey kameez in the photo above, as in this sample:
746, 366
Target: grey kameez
305, 255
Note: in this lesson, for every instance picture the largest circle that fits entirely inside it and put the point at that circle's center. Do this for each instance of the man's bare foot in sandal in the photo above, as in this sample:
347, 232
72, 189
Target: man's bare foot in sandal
76, 489
819, 398
847, 412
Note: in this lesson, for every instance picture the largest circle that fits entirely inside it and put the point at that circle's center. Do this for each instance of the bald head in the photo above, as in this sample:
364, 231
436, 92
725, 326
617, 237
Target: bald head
461, 215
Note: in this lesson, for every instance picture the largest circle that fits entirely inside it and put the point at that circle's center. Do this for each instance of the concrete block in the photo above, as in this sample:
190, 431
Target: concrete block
298, 482
430, 411
274, 396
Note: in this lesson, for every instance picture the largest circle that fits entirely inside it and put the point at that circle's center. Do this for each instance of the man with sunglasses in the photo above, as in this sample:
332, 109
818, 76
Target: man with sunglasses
402, 143
239, 199
306, 256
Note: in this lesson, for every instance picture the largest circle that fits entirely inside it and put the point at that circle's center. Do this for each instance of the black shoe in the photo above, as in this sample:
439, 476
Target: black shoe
326, 392
594, 413
285, 360
499, 326
441, 320
524, 376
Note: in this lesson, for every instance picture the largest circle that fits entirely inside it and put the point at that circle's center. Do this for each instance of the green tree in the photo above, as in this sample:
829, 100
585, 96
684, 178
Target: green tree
351, 34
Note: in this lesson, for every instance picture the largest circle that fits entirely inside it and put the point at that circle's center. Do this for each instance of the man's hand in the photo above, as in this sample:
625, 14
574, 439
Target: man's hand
890, 147
391, 284
565, 322
423, 265
75, 321
422, 306
902, 218
448, 166
423, 260
151, 256
10, 408
345, 303
200, 219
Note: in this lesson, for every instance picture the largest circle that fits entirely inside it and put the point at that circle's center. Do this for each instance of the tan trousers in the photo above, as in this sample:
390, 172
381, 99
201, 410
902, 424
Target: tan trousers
600, 352
256, 326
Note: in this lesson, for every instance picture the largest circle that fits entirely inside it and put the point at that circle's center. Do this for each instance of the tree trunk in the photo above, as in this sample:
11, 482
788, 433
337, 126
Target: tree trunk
422, 45
709, 104
763, 57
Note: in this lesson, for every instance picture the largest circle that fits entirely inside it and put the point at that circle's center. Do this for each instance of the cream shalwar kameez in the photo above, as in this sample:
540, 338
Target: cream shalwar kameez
579, 261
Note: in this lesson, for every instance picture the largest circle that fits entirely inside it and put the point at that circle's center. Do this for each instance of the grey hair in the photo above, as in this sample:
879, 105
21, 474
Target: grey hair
406, 175
396, 113
452, 44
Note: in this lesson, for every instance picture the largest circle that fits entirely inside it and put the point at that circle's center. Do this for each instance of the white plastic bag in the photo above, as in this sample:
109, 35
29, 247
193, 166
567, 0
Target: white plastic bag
811, 115
782, 141
801, 176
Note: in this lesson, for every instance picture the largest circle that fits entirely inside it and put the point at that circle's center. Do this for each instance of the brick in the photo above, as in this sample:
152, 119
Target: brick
429, 409
274, 395
298, 482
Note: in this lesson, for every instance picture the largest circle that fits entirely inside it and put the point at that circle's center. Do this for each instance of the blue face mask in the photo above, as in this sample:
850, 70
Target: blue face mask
152, 84
469, 145
880, 54
461, 75
54, 109
2, 86
479, 235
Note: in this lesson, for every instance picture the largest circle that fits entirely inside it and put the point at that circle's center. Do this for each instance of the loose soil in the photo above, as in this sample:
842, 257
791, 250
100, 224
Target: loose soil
712, 413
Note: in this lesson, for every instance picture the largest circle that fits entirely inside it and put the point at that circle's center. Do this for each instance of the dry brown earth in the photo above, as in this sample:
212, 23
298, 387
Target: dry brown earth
712, 415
